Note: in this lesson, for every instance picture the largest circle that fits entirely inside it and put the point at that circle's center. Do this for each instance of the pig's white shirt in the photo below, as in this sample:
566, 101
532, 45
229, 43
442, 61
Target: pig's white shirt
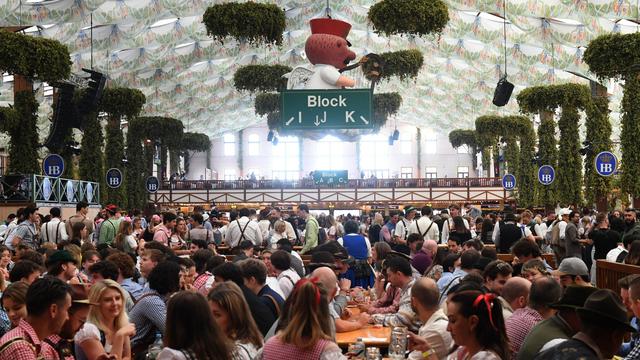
324, 77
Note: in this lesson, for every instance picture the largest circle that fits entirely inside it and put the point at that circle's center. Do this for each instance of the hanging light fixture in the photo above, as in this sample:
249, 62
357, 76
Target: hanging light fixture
270, 136
396, 134
504, 88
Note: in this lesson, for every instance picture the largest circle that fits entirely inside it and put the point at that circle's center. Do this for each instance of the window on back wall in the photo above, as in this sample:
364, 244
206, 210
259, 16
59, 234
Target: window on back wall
431, 173
463, 171
374, 155
431, 142
254, 145
229, 145
286, 159
406, 172
330, 155
405, 142
229, 174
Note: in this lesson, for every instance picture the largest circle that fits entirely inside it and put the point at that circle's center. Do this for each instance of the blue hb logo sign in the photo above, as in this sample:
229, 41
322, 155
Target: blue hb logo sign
606, 163
509, 182
152, 184
53, 165
114, 178
546, 174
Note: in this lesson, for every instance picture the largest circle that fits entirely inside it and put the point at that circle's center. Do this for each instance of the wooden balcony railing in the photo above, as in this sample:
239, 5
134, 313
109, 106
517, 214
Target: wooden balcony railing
350, 184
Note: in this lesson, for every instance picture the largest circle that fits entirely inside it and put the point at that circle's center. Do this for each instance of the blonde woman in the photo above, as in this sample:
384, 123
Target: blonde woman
231, 312
278, 232
107, 330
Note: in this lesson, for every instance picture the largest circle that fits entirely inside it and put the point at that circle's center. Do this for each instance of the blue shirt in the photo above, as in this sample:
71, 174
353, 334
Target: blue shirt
133, 288
148, 315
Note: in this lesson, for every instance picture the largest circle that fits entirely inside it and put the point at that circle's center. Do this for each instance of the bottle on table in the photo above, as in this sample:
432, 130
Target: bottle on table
155, 348
357, 350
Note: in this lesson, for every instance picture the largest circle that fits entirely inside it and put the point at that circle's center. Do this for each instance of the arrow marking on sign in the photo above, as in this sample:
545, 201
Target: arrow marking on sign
293, 118
319, 121
364, 120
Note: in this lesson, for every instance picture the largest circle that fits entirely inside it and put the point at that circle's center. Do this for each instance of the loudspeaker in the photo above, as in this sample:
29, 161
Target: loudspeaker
503, 92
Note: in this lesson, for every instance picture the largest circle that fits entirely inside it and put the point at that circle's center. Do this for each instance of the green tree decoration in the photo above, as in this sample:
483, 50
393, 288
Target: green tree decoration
119, 104
570, 98
617, 56
34, 57
548, 155
255, 78
137, 171
409, 17
20, 123
519, 152
597, 188
404, 64
253, 22
193, 141
91, 158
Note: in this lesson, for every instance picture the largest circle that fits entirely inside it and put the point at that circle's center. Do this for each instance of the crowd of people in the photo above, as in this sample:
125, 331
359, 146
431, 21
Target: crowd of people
265, 284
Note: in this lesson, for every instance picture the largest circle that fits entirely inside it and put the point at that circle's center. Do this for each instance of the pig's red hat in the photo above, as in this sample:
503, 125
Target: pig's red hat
330, 26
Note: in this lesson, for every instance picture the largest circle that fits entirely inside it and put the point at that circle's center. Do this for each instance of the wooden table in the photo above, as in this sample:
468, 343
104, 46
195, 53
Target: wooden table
371, 334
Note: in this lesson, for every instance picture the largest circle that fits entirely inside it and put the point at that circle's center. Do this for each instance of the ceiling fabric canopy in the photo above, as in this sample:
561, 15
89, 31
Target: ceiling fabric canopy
161, 47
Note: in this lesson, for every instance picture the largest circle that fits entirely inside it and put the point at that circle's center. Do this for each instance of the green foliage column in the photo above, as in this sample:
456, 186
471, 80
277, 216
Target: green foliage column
597, 187
630, 137
91, 160
137, 170
616, 55
114, 152
23, 145
569, 162
67, 155
548, 153
526, 169
119, 103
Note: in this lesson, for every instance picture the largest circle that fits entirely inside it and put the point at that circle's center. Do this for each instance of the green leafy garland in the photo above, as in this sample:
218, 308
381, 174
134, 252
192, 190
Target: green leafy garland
252, 22
599, 134
118, 103
548, 153
518, 133
617, 56
570, 98
91, 159
413, 17
20, 124
385, 105
460, 137
137, 170
629, 135
256, 78
113, 154
403, 64
266, 103
168, 131
35, 57
193, 141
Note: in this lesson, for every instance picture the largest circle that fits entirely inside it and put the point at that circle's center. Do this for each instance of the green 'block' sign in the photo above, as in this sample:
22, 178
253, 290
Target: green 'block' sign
330, 177
326, 109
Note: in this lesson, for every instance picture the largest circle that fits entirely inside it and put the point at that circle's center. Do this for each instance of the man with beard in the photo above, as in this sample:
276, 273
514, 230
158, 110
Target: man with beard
631, 226
78, 313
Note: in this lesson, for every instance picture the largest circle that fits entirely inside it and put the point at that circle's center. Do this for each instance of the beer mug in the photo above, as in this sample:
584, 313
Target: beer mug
398, 345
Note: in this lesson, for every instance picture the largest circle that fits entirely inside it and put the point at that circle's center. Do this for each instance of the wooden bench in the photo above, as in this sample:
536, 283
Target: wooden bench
608, 273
